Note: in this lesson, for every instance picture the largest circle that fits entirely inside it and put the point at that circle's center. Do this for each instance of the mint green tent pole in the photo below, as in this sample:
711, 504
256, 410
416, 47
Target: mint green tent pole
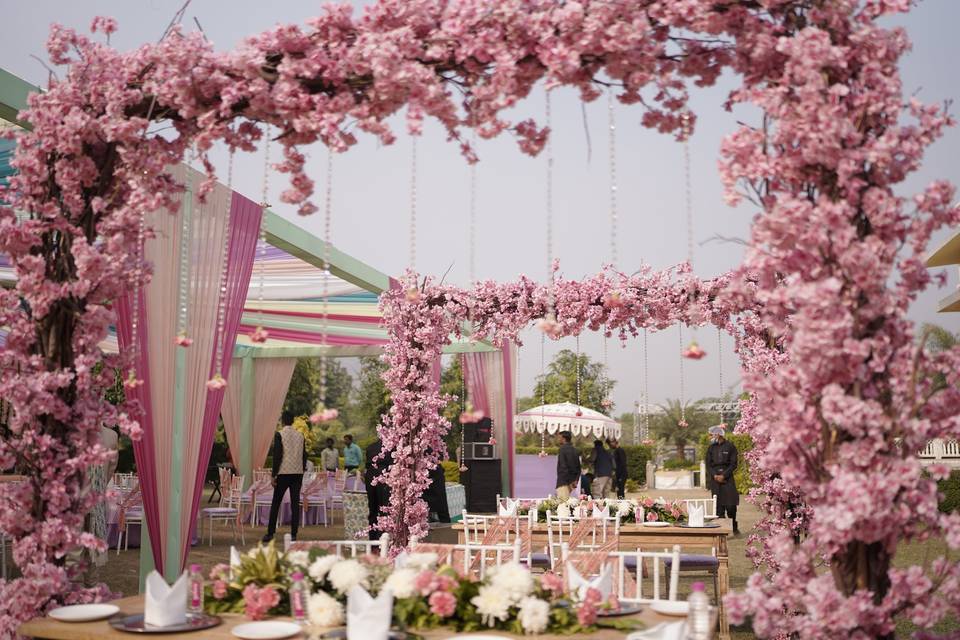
247, 389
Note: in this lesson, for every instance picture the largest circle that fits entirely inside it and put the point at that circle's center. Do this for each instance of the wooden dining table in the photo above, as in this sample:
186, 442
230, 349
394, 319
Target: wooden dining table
707, 540
101, 630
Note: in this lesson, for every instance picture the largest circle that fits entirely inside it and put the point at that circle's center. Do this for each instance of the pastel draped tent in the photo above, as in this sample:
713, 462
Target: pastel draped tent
491, 381
179, 413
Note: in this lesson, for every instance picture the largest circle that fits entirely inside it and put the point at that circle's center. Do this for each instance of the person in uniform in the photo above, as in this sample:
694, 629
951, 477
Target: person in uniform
721, 462
620, 467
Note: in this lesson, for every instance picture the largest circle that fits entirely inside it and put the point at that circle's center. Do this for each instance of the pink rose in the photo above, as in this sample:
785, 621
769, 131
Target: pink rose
258, 601
259, 335
219, 589
587, 613
442, 604
652, 516
216, 382
425, 582
552, 582
183, 341
648, 502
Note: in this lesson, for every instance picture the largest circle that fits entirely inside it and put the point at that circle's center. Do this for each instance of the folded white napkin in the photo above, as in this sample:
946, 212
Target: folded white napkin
165, 606
368, 618
508, 509
695, 515
400, 561
663, 631
579, 585
601, 513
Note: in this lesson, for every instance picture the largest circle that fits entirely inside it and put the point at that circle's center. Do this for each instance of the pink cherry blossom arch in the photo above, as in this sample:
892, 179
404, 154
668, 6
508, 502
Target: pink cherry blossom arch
842, 391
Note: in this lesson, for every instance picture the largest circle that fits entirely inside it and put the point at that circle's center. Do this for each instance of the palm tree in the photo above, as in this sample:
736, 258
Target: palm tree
667, 425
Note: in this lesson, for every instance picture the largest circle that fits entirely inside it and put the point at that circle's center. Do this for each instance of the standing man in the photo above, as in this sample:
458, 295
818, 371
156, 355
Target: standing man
620, 467
378, 495
329, 457
568, 466
721, 463
352, 456
289, 462
602, 471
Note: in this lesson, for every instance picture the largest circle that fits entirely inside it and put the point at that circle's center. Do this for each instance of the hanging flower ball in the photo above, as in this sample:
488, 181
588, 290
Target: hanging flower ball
613, 300
182, 340
471, 416
549, 325
324, 415
413, 294
132, 381
216, 382
579, 413
607, 403
693, 351
683, 424
259, 335
647, 442
542, 454
723, 425
463, 468
492, 440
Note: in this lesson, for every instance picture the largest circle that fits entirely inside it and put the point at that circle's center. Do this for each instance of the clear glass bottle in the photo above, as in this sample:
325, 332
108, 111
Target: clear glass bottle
698, 616
298, 597
195, 590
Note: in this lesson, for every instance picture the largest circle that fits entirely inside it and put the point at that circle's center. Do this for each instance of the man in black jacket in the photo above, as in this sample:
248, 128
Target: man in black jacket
568, 466
289, 463
619, 467
378, 495
721, 462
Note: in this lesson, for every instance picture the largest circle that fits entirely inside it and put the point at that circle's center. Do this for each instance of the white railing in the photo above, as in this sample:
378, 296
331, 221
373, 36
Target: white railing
939, 449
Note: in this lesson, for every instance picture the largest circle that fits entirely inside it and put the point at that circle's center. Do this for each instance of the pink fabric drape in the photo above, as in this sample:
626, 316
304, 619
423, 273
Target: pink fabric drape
271, 381
164, 453
245, 219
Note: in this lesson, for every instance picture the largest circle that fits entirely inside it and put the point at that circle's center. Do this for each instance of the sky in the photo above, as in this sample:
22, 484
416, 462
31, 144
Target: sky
372, 183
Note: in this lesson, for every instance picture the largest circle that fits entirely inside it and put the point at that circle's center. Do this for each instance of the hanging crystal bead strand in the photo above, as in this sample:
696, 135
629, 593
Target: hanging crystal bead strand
463, 408
132, 379
260, 333
720, 368
325, 310
186, 225
543, 396
218, 377
413, 204
612, 138
473, 216
683, 410
551, 313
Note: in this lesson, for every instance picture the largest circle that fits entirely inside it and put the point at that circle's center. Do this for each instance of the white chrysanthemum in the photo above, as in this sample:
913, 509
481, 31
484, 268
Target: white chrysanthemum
563, 511
401, 582
513, 579
534, 615
324, 611
492, 604
346, 574
318, 570
299, 558
573, 502
421, 561
624, 508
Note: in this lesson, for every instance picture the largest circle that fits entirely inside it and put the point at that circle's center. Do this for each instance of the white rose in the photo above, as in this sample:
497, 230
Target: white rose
421, 561
534, 615
299, 558
573, 502
318, 570
513, 579
563, 511
623, 508
400, 582
346, 574
492, 604
324, 611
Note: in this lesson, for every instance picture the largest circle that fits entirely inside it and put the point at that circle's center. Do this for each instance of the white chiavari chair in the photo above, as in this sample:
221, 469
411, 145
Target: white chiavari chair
709, 506
656, 567
228, 511
315, 495
342, 548
477, 526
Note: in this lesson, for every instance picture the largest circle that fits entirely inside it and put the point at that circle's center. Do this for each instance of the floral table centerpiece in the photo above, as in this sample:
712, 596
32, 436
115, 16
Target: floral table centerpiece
426, 595
644, 509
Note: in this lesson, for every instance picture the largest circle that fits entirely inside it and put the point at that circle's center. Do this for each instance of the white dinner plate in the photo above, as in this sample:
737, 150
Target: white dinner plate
266, 630
84, 612
656, 523
670, 607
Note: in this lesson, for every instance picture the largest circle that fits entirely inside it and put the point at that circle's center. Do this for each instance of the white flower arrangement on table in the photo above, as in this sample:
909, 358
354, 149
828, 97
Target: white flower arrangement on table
426, 595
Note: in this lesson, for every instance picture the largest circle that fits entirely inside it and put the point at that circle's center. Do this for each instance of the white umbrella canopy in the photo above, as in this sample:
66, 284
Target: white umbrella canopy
566, 416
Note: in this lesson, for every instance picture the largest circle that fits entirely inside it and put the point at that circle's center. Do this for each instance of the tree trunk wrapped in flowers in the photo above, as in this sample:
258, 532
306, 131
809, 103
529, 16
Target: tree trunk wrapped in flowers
841, 393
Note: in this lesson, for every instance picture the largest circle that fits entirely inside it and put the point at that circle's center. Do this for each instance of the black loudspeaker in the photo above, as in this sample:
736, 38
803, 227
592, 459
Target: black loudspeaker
482, 483
478, 431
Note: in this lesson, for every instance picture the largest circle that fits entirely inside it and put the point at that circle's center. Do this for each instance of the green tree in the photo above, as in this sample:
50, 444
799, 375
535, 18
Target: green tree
939, 340
303, 395
666, 426
560, 382
372, 398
